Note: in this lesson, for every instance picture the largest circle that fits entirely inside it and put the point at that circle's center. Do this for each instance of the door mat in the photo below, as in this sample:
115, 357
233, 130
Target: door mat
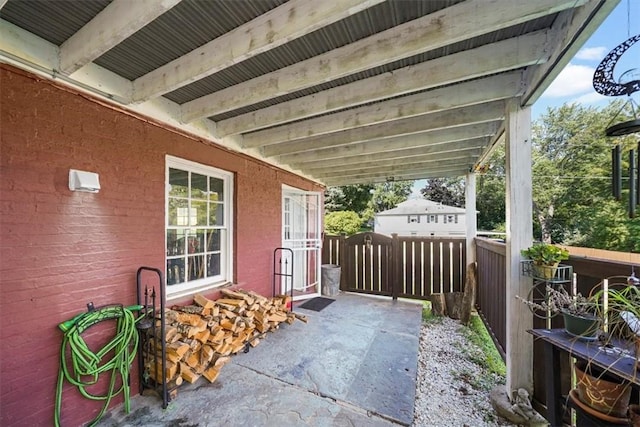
317, 303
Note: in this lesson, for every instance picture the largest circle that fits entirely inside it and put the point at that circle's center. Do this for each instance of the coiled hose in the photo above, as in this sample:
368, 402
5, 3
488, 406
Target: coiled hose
86, 366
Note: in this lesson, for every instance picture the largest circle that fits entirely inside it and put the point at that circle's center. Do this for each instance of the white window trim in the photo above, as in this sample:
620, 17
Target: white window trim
190, 288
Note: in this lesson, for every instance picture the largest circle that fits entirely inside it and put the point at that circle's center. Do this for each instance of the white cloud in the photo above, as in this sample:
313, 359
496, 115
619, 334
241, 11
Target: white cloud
591, 98
573, 80
592, 53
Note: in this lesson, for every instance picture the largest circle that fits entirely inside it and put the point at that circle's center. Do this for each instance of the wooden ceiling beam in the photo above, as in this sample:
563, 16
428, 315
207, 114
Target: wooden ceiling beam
419, 124
115, 23
462, 156
505, 55
398, 175
397, 143
385, 167
463, 94
472, 146
287, 22
442, 28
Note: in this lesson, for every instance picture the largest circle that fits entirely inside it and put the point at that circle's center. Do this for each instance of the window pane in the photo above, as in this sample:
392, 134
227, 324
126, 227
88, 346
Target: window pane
198, 213
196, 267
213, 265
213, 240
216, 188
178, 212
175, 271
178, 183
196, 242
216, 214
175, 242
198, 186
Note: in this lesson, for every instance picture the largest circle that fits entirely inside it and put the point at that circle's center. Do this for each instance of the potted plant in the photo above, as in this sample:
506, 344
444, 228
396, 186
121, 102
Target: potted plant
622, 312
545, 258
579, 313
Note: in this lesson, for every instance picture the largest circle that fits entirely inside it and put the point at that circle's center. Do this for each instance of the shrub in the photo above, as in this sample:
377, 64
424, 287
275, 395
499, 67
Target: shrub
342, 222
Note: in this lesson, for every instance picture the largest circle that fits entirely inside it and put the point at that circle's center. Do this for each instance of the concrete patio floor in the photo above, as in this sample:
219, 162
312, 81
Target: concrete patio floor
353, 364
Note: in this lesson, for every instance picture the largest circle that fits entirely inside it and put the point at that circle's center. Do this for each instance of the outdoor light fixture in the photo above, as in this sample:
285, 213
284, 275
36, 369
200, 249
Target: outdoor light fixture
83, 181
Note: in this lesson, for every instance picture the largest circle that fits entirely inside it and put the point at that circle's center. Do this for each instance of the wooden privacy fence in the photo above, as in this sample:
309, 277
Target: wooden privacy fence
491, 290
411, 267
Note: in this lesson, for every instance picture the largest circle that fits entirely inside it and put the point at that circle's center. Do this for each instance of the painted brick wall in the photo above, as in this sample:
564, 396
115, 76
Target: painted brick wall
61, 249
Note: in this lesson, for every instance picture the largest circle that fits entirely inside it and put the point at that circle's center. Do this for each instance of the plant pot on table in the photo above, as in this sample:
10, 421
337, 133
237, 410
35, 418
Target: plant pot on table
583, 326
602, 392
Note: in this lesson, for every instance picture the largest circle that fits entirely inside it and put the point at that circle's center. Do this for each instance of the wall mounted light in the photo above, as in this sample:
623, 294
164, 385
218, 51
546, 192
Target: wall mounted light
83, 181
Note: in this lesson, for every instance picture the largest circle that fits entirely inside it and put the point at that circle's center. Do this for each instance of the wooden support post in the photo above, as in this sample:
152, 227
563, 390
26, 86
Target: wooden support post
471, 220
519, 346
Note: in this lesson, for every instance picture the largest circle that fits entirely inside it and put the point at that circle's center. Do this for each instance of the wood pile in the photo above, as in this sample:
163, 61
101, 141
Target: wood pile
201, 338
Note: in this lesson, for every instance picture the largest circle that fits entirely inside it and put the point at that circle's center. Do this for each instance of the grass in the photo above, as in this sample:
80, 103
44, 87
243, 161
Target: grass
488, 356
427, 315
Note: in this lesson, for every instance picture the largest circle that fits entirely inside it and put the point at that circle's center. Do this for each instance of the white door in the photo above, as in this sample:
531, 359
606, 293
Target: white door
301, 233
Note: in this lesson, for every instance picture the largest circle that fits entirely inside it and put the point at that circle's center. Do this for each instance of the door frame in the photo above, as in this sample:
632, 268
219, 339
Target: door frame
308, 244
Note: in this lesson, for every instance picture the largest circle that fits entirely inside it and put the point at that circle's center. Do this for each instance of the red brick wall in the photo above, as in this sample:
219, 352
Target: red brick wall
61, 249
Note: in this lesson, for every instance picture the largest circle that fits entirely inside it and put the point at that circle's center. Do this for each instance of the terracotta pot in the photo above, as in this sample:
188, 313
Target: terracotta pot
602, 392
634, 415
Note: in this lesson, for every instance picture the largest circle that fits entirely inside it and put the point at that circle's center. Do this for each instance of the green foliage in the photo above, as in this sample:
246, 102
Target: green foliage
545, 254
448, 191
490, 358
490, 194
348, 198
427, 314
572, 201
386, 196
344, 222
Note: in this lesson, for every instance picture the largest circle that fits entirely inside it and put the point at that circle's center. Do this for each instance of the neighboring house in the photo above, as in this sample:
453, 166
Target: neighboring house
421, 217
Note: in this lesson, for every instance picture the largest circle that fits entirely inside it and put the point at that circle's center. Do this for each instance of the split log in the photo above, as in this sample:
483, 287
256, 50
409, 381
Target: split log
438, 305
188, 374
211, 374
469, 297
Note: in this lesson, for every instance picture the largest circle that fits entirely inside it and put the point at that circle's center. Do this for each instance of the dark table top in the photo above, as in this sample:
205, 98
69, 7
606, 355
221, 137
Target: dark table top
618, 358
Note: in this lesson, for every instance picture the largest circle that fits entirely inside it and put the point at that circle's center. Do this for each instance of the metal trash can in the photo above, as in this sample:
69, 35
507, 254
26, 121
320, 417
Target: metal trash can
330, 279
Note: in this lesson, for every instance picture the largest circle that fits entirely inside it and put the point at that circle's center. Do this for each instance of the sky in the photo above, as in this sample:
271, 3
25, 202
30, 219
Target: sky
574, 84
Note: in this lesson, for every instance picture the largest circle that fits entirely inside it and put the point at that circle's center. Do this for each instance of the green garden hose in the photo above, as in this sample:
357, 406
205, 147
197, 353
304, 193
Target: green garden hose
86, 366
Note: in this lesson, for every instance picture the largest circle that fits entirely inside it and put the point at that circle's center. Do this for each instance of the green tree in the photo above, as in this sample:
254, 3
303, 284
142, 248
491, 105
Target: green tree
491, 193
386, 196
348, 198
571, 176
343, 222
448, 191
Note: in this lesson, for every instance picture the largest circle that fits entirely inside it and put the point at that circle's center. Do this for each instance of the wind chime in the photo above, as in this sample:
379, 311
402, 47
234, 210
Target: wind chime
627, 84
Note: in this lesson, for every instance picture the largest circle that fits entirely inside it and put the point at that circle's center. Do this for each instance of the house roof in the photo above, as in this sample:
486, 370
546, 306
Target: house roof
421, 207
355, 91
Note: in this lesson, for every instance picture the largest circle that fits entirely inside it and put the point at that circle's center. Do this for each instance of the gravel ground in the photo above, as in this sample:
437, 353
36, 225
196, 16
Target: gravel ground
452, 389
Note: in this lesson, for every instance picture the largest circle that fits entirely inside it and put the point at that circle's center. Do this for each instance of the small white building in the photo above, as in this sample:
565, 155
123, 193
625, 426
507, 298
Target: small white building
421, 217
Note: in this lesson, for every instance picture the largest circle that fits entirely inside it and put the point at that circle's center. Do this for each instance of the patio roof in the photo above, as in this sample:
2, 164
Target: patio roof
354, 91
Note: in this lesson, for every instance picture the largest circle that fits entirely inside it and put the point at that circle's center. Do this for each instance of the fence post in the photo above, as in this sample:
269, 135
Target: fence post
342, 257
395, 266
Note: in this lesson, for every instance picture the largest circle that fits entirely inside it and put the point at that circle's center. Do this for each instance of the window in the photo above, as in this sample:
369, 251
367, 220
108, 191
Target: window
413, 219
198, 226
433, 218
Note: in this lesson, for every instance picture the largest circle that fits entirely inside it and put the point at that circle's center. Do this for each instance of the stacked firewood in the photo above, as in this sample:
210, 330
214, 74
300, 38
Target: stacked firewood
201, 338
